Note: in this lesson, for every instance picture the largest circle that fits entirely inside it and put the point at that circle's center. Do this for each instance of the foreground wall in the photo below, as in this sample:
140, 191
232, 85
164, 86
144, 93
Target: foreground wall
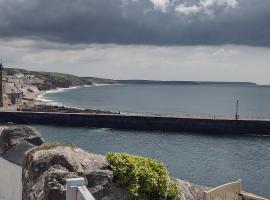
215, 126
11, 181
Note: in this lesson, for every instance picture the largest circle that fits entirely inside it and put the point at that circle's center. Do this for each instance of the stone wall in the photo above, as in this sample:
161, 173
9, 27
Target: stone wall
214, 126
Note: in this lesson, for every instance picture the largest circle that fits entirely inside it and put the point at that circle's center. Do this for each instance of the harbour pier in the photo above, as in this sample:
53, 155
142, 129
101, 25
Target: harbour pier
141, 122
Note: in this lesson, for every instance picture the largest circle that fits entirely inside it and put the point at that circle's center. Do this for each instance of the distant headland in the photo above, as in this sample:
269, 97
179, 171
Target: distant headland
185, 82
53, 80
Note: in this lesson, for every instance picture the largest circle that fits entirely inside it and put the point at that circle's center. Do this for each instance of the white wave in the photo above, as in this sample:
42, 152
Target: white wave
88, 85
257, 135
71, 88
106, 84
42, 97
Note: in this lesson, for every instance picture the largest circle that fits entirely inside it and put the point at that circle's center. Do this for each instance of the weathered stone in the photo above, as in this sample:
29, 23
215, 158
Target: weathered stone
45, 171
13, 135
100, 182
190, 191
16, 134
54, 183
16, 153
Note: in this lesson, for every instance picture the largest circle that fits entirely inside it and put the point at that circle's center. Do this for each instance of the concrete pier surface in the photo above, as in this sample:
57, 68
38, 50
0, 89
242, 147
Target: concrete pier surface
141, 122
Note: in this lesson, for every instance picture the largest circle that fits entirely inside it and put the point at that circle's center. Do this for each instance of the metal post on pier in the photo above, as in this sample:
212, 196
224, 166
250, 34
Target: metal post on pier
237, 110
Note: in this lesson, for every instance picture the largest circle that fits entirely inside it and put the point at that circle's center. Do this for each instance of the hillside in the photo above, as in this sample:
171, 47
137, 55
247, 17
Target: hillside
51, 80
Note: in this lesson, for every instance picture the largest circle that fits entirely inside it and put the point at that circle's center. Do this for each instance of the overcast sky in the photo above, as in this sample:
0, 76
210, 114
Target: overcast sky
226, 40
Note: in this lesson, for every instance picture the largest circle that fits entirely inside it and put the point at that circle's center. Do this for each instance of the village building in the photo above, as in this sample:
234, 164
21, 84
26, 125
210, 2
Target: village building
10, 92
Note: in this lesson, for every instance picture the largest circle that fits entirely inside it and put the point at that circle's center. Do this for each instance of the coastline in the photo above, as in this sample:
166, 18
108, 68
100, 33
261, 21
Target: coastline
40, 96
35, 102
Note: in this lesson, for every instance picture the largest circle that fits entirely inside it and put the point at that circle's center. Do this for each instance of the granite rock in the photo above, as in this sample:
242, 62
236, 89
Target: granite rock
14, 135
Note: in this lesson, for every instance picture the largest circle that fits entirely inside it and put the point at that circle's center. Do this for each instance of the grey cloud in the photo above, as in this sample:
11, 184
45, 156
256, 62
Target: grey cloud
136, 22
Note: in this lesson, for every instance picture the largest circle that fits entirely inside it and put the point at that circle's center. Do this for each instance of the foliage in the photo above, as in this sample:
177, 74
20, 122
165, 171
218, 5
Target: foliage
143, 177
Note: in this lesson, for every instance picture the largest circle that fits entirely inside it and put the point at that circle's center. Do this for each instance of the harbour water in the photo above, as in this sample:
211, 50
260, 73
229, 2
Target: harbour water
203, 159
169, 99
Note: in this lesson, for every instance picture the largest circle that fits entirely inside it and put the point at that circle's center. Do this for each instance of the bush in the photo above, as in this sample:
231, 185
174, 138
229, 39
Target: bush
143, 177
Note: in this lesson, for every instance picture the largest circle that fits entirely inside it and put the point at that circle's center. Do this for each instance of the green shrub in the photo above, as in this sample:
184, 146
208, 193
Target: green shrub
143, 177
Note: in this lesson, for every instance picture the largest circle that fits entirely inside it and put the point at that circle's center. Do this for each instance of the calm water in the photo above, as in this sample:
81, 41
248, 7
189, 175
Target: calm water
173, 99
203, 159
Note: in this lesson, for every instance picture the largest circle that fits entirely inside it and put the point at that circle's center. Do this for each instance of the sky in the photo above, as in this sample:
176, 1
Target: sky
205, 40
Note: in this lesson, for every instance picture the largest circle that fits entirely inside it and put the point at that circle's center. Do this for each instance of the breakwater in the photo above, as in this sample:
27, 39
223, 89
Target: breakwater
142, 122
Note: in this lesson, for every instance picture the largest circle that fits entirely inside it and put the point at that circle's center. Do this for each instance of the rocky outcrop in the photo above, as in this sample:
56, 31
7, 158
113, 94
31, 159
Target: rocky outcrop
14, 135
46, 168
55, 108
190, 191
16, 154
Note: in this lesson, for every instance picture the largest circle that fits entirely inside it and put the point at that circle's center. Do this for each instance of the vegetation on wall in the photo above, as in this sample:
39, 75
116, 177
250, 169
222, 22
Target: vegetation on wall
144, 178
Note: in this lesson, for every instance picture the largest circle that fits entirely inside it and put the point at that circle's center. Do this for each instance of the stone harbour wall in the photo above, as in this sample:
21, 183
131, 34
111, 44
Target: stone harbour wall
122, 121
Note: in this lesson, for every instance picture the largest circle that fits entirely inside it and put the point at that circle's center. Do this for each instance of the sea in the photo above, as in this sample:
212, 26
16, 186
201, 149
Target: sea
204, 159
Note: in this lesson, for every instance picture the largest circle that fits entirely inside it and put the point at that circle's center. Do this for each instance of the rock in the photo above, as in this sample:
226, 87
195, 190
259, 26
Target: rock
44, 86
46, 168
1, 129
34, 107
99, 182
190, 191
16, 153
30, 90
13, 135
